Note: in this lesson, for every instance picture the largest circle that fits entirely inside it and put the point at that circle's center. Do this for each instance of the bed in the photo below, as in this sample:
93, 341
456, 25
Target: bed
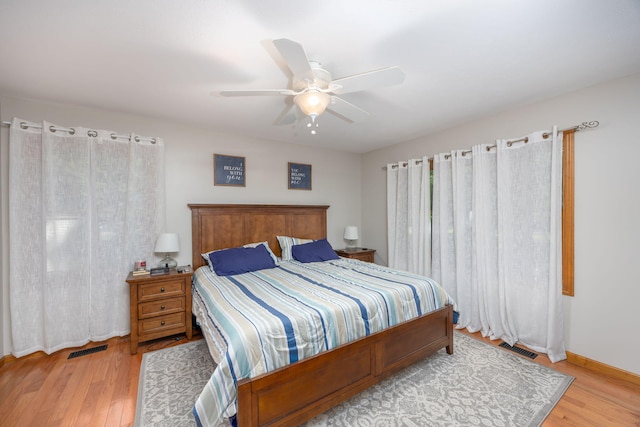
298, 391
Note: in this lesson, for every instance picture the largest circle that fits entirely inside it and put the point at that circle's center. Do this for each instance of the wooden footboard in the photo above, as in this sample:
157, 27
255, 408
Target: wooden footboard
296, 393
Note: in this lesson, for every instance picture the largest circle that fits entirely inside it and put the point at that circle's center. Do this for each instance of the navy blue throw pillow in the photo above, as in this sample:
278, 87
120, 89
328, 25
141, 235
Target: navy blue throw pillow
228, 262
318, 250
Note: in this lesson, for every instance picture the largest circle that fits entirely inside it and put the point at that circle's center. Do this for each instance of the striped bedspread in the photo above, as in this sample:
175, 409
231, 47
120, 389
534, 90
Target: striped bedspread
257, 322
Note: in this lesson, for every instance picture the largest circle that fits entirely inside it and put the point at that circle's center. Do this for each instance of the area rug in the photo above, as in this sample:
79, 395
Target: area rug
479, 385
170, 381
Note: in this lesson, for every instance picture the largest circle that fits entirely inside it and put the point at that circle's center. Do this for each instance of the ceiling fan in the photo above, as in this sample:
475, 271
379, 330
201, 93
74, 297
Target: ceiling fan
313, 88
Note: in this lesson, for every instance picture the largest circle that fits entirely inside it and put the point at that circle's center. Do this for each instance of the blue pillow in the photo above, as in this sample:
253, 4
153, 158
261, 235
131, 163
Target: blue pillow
228, 262
318, 250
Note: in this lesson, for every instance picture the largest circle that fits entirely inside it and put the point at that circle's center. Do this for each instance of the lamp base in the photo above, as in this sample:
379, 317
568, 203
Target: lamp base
168, 262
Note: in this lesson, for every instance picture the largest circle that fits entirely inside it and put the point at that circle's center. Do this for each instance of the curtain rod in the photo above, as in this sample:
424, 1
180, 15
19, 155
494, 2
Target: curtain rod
72, 131
92, 133
584, 125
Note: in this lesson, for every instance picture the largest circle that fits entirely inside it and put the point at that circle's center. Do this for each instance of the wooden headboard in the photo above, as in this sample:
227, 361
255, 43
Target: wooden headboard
228, 226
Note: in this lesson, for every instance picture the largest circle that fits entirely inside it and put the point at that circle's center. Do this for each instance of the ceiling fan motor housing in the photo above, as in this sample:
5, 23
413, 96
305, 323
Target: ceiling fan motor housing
322, 78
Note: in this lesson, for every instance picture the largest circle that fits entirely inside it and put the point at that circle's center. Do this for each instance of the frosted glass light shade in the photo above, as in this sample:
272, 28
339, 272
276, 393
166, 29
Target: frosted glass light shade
168, 242
312, 102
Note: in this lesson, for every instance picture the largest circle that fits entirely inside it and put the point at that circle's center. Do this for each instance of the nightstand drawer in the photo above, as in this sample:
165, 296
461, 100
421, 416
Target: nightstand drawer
160, 323
160, 289
361, 254
160, 307
368, 257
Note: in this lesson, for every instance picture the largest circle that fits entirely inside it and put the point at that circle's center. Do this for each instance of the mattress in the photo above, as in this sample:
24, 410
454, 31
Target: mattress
263, 320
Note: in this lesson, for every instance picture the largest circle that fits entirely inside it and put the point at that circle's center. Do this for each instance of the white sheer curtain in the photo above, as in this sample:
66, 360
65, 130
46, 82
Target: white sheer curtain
83, 206
452, 216
497, 239
408, 211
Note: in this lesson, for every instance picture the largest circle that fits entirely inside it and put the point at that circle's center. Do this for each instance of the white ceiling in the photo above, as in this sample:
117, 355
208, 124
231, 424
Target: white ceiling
463, 59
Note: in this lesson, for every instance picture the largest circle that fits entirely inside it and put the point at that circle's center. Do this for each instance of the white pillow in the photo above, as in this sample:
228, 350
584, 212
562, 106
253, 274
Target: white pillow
248, 245
286, 243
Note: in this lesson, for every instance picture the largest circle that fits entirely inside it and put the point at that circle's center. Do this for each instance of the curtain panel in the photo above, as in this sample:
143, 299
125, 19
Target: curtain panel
497, 238
83, 206
408, 216
452, 216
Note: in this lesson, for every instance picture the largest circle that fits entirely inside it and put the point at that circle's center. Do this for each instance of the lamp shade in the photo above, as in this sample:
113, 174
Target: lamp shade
351, 232
167, 242
312, 102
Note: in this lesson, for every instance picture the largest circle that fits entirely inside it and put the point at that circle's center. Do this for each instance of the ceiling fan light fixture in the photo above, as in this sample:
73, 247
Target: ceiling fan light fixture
312, 102
313, 88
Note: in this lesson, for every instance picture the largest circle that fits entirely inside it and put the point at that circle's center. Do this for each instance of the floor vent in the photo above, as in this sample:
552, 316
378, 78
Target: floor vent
87, 351
522, 351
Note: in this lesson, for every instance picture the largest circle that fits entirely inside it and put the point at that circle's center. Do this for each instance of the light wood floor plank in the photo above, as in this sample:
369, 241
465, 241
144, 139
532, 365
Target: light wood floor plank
55, 385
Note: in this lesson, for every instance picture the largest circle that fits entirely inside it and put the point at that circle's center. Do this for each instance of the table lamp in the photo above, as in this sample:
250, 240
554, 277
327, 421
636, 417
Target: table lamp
168, 243
351, 235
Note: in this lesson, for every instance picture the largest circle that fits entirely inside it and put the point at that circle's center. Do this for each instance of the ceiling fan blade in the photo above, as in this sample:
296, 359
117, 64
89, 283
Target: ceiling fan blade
287, 116
369, 80
259, 92
293, 53
347, 110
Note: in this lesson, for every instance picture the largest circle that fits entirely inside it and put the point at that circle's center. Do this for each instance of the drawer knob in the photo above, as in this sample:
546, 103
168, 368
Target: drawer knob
161, 289
162, 323
162, 307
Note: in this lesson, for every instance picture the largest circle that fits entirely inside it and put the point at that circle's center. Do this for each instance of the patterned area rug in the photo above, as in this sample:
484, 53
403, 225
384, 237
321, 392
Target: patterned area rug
170, 381
479, 385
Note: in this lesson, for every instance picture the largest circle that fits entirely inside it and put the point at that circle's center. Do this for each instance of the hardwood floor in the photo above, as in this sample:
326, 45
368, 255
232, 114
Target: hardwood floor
100, 389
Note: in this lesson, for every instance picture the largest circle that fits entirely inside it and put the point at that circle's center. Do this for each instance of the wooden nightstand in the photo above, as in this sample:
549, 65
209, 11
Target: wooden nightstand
363, 254
160, 306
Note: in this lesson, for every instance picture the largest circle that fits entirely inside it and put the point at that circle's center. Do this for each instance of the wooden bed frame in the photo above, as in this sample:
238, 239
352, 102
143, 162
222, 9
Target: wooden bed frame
296, 393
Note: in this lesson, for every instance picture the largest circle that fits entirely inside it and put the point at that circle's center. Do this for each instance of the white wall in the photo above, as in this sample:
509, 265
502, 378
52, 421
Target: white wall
189, 174
601, 321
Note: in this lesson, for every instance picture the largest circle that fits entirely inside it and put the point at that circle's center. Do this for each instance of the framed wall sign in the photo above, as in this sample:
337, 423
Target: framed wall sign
229, 170
299, 176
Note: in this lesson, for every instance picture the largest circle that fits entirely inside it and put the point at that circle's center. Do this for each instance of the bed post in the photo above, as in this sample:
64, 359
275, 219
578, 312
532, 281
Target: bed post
450, 330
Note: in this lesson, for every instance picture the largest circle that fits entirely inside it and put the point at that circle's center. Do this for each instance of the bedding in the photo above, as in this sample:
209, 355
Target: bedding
259, 321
